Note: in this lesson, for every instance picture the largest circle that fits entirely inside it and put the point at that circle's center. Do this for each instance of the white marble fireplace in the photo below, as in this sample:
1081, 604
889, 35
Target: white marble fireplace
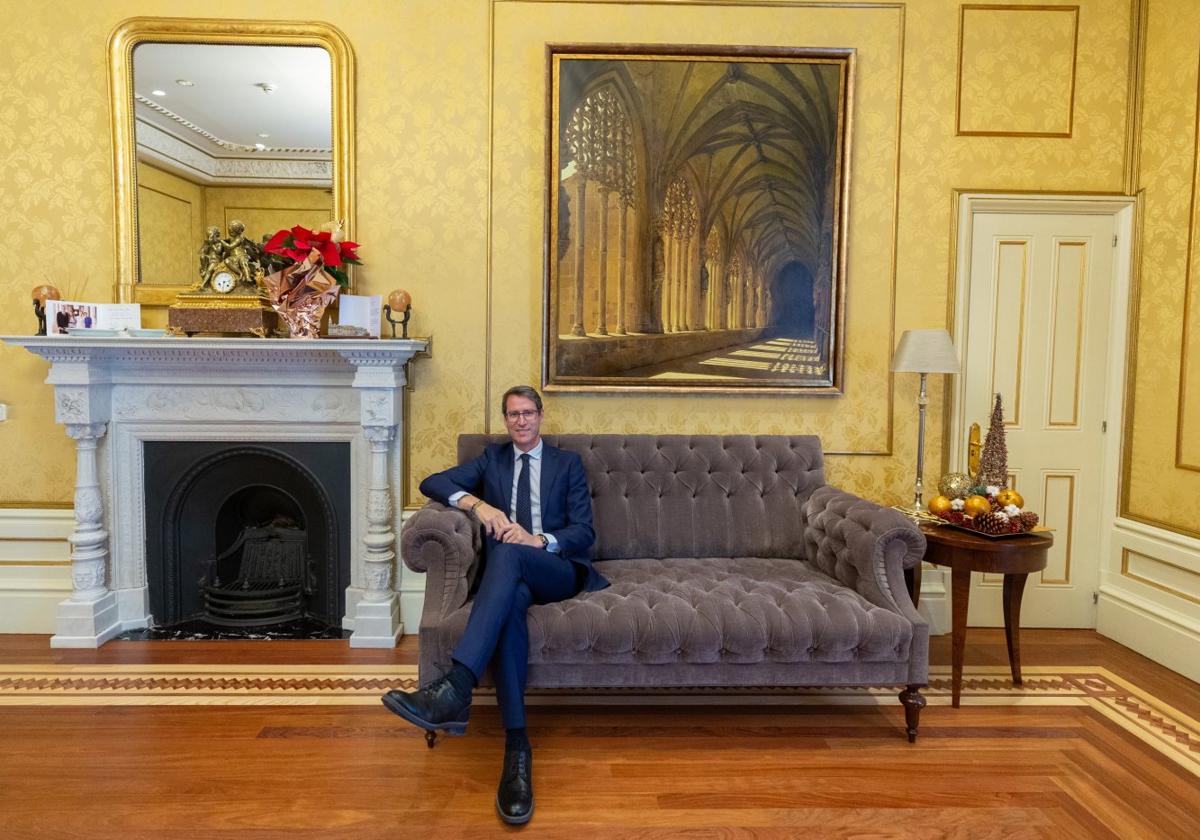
115, 394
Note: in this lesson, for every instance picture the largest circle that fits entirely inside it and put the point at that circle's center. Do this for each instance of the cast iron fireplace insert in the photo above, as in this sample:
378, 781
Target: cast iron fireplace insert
247, 539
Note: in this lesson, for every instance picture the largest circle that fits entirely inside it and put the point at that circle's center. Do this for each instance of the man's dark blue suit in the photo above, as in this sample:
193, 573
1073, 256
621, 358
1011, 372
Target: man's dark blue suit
516, 576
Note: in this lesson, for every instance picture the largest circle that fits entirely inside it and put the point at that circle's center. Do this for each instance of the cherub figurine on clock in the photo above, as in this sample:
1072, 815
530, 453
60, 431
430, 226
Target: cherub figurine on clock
226, 264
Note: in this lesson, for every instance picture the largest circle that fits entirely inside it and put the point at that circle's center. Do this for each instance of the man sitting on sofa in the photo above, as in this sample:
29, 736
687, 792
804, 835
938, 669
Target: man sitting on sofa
534, 503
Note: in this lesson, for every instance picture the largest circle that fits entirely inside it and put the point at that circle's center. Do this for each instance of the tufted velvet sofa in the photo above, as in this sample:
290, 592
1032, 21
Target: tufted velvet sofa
732, 564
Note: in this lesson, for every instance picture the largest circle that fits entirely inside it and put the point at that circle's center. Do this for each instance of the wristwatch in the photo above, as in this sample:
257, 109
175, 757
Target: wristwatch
545, 540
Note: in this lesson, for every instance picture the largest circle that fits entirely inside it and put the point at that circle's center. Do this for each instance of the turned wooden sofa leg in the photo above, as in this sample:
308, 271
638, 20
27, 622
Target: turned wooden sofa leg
913, 703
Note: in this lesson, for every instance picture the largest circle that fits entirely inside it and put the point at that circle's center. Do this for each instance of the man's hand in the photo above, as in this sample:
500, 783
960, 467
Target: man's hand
514, 533
493, 519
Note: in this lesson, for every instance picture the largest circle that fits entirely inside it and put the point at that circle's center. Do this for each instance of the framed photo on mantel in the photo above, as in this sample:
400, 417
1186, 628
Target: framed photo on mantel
696, 218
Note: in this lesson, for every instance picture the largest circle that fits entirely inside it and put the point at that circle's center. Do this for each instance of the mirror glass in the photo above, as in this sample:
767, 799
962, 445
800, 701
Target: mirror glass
227, 132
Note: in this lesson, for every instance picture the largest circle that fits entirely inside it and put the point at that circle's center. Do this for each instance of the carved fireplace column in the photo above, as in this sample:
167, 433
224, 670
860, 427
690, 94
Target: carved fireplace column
379, 379
82, 404
89, 540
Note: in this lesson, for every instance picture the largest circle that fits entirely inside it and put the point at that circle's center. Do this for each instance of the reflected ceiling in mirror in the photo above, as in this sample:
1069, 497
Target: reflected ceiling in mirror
235, 114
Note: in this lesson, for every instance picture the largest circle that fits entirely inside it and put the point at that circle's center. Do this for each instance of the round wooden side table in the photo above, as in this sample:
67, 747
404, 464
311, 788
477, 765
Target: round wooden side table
963, 553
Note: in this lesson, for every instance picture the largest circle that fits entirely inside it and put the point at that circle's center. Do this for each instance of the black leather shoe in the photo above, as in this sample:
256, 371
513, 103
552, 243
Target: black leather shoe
514, 797
437, 706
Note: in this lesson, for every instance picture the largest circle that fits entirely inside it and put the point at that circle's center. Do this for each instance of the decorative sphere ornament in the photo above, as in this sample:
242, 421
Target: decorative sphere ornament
939, 505
1010, 497
399, 300
954, 485
977, 505
46, 292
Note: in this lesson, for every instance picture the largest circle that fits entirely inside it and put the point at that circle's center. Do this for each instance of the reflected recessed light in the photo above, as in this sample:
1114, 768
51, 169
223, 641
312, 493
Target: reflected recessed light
263, 135
158, 93
259, 146
184, 83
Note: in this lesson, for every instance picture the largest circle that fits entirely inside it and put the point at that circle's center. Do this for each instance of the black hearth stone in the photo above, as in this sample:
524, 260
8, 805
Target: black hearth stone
192, 631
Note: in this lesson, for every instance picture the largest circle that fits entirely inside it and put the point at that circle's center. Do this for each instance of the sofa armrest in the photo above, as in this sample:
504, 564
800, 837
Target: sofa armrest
446, 544
865, 546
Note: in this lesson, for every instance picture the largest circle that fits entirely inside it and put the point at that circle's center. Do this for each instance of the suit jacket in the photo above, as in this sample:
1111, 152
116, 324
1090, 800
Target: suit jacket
565, 499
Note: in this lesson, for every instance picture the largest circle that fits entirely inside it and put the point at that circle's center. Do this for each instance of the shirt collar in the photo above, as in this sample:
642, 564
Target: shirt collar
535, 454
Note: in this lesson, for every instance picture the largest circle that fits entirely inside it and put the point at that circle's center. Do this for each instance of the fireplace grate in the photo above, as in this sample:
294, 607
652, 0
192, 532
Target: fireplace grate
271, 581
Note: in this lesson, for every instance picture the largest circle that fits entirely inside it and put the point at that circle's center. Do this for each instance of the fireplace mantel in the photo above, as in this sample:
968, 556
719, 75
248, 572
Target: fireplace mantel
113, 394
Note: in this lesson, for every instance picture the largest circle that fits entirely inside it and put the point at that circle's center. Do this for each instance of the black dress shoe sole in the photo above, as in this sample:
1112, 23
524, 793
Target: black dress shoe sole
513, 820
456, 727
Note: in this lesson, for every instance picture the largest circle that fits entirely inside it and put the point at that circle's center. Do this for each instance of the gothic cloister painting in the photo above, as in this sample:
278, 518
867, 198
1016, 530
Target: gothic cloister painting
696, 218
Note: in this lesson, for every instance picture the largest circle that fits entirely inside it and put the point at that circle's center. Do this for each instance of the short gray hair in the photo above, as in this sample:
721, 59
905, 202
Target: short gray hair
526, 391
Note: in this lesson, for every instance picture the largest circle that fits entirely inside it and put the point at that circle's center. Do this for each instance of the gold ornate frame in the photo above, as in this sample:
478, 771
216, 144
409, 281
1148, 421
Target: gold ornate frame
139, 30
845, 58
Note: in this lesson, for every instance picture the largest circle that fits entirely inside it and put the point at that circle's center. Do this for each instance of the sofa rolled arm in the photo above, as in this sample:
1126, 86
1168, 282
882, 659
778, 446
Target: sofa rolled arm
446, 544
863, 545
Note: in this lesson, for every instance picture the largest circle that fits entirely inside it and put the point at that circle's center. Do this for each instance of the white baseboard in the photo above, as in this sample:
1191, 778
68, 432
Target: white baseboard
1165, 636
935, 600
35, 571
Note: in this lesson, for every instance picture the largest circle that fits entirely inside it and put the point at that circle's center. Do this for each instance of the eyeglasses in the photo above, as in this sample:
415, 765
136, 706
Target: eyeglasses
514, 416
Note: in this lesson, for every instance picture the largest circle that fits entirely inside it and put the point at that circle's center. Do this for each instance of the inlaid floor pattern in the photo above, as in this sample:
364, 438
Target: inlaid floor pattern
1167, 730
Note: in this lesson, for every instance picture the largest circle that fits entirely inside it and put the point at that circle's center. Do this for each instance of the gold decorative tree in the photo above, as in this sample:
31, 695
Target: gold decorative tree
993, 463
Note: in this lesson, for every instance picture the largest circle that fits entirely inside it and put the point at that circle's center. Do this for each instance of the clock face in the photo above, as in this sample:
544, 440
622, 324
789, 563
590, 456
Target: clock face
223, 282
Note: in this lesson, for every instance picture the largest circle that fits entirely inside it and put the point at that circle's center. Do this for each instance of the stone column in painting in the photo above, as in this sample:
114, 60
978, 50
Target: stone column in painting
602, 279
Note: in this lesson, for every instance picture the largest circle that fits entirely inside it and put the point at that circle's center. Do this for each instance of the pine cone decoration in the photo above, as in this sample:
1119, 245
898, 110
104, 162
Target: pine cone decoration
992, 523
1028, 519
954, 517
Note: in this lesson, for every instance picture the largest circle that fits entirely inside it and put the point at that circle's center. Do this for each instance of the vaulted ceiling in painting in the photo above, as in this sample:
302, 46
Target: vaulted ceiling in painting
756, 140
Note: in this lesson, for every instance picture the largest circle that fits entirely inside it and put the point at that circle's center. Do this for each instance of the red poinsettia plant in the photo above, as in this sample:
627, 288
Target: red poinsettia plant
289, 247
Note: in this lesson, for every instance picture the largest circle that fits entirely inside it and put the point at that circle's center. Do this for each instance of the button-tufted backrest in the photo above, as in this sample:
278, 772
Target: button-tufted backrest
692, 495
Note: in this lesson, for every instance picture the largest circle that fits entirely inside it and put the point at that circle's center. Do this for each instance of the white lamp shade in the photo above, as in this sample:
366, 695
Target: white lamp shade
925, 351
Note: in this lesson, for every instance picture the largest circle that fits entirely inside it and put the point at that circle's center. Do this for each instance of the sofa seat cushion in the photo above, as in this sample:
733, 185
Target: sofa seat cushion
719, 609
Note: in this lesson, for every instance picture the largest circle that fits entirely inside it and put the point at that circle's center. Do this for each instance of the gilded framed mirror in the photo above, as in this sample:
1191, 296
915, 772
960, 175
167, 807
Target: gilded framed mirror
216, 121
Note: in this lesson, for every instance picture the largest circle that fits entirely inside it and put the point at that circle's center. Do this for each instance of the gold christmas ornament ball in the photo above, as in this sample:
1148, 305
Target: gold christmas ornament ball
939, 505
954, 485
1009, 497
976, 506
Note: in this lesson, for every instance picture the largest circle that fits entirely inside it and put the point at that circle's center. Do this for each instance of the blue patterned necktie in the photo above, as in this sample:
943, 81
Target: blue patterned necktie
524, 501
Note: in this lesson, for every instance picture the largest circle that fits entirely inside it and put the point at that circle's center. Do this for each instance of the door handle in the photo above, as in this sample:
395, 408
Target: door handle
974, 450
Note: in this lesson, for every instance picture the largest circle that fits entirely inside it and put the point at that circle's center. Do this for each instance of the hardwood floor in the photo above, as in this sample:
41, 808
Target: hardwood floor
997, 767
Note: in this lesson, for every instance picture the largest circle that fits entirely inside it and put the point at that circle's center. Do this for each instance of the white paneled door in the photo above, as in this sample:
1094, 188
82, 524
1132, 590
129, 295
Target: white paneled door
1036, 332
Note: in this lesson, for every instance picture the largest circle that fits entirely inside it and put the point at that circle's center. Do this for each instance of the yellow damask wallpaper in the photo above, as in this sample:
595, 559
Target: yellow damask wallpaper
1164, 428
450, 187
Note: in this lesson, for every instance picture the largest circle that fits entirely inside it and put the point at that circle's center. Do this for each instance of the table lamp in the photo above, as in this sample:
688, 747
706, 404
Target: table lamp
923, 352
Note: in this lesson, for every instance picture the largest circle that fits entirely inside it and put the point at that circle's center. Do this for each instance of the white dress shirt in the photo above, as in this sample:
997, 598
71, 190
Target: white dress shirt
535, 492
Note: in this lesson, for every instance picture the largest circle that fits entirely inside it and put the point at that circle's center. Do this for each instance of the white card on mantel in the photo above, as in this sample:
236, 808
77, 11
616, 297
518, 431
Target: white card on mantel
364, 311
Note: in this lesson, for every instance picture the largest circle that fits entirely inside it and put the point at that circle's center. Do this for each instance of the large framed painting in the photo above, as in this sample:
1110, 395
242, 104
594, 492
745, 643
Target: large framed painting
696, 218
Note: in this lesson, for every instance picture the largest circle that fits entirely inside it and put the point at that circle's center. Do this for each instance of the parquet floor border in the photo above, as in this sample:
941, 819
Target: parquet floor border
1157, 724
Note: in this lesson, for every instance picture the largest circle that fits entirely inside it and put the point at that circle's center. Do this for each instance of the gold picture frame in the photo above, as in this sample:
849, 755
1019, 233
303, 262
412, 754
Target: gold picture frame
697, 200
131, 33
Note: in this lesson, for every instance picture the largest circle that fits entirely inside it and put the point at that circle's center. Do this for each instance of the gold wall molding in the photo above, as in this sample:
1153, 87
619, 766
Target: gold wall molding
1126, 554
1070, 528
1135, 92
1188, 279
1019, 372
886, 449
977, 7
1080, 303
140, 30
